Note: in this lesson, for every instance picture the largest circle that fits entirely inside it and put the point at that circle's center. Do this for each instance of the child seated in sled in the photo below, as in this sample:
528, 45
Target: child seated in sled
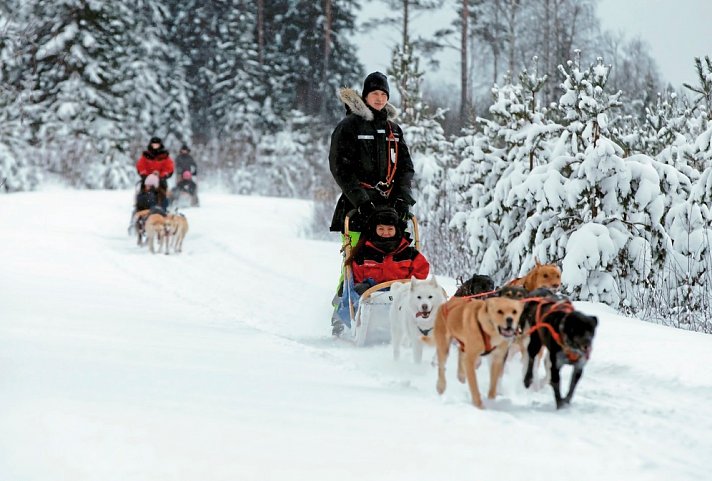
187, 185
384, 253
147, 197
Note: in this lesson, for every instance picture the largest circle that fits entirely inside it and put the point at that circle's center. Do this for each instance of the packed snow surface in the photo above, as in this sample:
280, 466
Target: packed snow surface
218, 364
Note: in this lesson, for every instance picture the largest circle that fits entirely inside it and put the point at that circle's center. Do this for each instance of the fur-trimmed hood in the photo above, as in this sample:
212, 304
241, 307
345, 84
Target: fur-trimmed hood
355, 104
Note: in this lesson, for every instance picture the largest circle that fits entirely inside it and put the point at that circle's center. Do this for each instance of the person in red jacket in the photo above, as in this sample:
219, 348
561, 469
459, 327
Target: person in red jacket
155, 159
385, 253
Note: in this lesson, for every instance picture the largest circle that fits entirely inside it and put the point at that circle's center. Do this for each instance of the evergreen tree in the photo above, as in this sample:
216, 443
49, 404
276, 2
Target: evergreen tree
159, 97
15, 172
78, 100
298, 31
599, 213
502, 156
431, 155
703, 90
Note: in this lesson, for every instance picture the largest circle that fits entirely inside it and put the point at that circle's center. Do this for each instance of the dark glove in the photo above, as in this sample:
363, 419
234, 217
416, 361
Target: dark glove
403, 208
366, 209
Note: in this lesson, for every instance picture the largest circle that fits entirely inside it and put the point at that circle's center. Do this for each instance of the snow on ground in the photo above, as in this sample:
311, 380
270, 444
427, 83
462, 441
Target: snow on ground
218, 364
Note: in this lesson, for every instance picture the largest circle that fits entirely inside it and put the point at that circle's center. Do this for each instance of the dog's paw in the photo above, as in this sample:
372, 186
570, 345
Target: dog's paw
440, 386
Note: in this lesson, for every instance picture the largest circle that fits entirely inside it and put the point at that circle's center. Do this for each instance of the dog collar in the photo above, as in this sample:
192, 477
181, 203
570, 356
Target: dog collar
425, 332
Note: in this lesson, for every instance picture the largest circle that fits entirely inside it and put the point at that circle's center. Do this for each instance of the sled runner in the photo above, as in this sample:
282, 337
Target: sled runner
366, 317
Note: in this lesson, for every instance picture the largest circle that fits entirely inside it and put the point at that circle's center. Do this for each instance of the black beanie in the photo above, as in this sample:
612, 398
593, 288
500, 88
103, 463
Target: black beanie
384, 215
375, 81
156, 140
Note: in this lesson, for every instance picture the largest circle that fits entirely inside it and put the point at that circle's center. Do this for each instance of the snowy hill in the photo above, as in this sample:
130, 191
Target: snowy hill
217, 364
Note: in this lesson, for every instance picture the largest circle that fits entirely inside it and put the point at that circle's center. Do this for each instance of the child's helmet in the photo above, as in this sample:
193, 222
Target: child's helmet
187, 175
384, 215
152, 180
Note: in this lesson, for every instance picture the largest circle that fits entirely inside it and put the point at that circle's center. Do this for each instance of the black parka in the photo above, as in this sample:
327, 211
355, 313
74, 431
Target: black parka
186, 162
359, 155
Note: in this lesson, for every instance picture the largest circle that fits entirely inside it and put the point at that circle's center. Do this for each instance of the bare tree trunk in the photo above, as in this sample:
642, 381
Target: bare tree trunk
513, 7
261, 30
404, 78
495, 42
406, 4
328, 22
464, 90
548, 90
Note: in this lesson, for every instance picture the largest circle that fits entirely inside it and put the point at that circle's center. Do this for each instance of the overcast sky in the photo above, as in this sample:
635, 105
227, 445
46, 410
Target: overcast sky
676, 30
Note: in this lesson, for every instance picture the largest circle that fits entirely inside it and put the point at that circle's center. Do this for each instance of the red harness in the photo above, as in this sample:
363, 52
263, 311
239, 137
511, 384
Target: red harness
486, 337
564, 306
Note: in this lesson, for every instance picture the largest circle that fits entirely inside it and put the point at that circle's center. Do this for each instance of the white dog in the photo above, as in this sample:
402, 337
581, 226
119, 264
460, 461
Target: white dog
413, 313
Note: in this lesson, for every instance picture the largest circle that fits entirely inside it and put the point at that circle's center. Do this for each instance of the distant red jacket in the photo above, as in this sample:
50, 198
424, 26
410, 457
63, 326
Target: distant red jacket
402, 263
155, 161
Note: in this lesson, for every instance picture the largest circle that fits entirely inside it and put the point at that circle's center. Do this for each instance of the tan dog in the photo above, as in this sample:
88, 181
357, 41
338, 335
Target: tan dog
179, 228
479, 328
157, 229
541, 275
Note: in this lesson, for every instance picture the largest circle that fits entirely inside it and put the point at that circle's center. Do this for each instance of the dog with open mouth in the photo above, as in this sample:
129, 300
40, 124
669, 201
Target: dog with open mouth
479, 328
412, 313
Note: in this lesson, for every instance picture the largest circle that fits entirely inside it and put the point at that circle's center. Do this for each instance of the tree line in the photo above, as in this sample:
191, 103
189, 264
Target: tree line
581, 157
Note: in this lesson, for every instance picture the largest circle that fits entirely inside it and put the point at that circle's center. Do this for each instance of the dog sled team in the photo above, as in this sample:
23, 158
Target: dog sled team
385, 294
155, 218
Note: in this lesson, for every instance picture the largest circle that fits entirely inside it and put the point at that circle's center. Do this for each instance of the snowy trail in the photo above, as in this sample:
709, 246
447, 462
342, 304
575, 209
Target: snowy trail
218, 364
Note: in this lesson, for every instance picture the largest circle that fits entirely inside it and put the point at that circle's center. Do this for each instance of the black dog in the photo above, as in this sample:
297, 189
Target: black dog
476, 285
566, 333
512, 292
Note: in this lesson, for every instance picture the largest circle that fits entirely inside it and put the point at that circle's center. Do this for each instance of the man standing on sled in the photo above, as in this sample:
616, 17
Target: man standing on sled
369, 160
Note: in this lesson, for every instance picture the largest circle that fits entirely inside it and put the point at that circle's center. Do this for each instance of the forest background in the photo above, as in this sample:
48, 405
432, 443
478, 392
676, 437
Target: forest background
561, 141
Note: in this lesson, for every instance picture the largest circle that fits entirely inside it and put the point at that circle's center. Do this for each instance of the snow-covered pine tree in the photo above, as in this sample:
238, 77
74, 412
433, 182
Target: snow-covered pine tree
512, 142
431, 154
596, 212
290, 163
683, 288
689, 268
77, 107
239, 108
15, 172
703, 89
160, 98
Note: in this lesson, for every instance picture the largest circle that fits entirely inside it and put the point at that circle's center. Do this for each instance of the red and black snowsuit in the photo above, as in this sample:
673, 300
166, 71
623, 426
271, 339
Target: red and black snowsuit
156, 160
405, 261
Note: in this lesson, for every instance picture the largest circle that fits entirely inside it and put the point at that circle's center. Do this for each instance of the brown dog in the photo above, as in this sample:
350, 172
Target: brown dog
479, 328
157, 229
179, 228
541, 275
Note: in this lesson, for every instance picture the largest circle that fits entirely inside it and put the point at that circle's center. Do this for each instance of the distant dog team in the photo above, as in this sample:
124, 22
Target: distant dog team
168, 231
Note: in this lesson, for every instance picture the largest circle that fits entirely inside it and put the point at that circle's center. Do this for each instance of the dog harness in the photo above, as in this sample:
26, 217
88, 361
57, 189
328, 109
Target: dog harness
486, 337
481, 294
564, 306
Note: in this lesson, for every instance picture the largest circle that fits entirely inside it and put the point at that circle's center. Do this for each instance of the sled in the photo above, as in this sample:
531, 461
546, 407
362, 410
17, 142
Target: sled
181, 199
366, 317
